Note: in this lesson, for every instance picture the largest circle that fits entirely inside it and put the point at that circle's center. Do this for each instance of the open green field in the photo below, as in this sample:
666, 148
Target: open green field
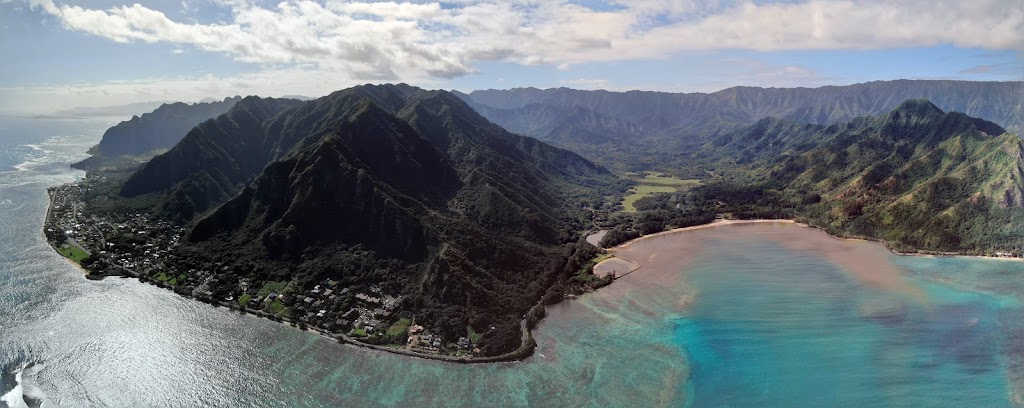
73, 253
276, 307
661, 179
653, 183
271, 286
399, 327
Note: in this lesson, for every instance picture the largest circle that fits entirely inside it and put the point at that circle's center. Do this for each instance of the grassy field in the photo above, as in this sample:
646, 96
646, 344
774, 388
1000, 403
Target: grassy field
271, 286
73, 253
661, 179
399, 327
653, 183
276, 307
244, 300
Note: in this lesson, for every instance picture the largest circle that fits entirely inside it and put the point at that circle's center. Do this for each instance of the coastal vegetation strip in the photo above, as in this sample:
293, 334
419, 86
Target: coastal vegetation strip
804, 224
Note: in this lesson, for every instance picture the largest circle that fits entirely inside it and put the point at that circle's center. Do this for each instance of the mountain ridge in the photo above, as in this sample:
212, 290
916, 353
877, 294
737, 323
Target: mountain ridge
678, 122
917, 178
393, 186
159, 129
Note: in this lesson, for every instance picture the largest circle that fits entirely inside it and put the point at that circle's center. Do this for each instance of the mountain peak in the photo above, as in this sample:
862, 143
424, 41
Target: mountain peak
919, 108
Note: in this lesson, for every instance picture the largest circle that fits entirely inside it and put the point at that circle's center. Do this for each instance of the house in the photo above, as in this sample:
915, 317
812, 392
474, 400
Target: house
367, 298
464, 343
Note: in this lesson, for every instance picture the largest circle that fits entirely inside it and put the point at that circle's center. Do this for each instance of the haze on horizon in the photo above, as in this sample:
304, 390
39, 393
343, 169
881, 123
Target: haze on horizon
61, 54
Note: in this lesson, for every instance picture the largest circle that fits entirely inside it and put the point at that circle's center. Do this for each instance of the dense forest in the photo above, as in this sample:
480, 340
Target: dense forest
137, 140
916, 178
376, 189
398, 193
641, 130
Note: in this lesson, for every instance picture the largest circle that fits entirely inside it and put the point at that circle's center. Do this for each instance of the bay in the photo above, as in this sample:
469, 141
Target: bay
742, 315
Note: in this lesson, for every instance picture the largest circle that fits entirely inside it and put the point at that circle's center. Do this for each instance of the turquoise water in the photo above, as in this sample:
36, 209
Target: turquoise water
807, 335
753, 315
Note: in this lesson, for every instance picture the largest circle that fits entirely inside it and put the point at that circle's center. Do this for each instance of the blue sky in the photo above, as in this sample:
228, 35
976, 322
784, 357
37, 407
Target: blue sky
60, 54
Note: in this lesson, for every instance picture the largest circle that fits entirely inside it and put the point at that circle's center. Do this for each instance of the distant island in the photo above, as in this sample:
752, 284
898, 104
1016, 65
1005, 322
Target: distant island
402, 219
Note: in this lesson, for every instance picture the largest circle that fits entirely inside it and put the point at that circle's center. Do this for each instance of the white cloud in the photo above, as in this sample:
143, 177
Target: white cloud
274, 82
362, 41
389, 40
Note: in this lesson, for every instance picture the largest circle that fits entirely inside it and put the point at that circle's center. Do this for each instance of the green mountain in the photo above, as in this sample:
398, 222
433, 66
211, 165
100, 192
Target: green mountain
385, 186
916, 177
159, 129
567, 127
212, 162
676, 123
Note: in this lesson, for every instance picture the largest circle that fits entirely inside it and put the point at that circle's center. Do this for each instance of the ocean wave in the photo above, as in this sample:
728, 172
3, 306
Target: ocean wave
15, 398
36, 154
38, 148
25, 393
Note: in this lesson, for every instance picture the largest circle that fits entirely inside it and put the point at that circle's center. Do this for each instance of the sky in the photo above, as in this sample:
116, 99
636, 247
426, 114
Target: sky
59, 54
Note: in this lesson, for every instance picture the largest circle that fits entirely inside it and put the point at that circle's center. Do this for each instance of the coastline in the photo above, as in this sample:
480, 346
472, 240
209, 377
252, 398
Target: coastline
49, 206
530, 319
720, 223
525, 349
716, 223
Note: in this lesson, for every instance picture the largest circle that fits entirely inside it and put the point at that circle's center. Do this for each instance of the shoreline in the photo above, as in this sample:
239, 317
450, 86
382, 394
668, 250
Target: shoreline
526, 347
720, 223
530, 320
49, 206
713, 224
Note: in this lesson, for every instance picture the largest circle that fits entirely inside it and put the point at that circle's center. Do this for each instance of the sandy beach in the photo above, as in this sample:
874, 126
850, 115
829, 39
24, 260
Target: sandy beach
716, 223
719, 223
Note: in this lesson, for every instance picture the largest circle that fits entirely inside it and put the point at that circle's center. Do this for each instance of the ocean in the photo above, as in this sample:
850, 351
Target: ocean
737, 316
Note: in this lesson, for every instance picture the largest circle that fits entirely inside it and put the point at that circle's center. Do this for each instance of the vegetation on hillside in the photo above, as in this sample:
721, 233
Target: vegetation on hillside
637, 131
376, 189
917, 178
160, 129
409, 198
